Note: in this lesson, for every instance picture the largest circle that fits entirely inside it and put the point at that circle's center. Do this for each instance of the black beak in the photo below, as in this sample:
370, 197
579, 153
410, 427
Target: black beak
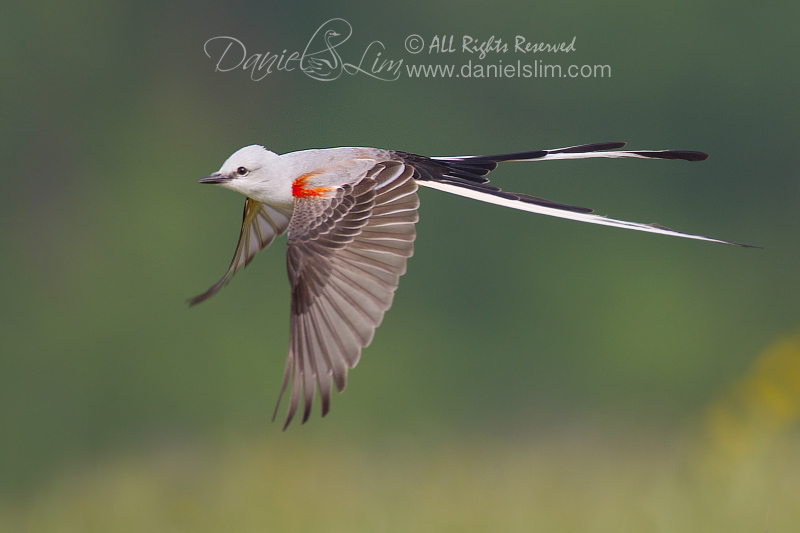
216, 177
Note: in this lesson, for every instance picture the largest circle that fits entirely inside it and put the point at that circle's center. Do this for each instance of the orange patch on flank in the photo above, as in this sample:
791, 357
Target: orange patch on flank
301, 190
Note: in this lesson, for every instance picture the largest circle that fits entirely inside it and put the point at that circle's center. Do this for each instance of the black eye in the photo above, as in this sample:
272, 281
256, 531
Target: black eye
241, 171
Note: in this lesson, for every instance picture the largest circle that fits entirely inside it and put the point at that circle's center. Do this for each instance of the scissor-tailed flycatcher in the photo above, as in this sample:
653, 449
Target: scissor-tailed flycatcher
350, 213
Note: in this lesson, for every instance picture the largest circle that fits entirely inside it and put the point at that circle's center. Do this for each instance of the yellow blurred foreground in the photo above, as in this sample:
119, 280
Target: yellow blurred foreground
572, 482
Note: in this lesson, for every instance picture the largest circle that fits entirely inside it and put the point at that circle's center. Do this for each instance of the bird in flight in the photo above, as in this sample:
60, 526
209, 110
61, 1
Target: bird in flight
350, 215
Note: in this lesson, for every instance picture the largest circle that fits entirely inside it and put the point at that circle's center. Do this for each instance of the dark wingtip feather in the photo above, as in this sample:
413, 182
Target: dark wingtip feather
205, 296
685, 155
326, 405
280, 395
306, 411
584, 148
290, 416
748, 245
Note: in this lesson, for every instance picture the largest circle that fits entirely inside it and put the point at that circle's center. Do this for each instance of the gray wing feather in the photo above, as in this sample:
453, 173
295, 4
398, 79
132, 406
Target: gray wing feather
261, 223
345, 257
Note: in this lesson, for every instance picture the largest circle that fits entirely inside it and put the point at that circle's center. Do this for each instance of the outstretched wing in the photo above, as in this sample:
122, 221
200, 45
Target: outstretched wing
346, 254
261, 223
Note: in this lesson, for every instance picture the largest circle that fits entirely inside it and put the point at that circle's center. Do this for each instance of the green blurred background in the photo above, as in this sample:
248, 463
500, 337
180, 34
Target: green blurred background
533, 373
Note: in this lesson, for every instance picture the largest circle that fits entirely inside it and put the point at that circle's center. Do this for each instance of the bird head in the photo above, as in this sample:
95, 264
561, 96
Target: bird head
247, 171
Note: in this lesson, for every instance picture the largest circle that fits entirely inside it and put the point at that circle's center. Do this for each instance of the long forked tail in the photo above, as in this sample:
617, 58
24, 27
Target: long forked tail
466, 176
583, 151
